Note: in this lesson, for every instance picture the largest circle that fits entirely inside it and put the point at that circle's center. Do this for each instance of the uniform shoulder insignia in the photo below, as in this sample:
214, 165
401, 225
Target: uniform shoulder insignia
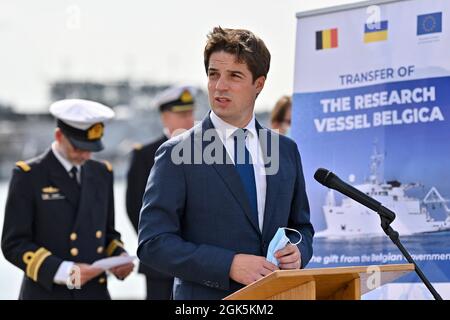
137, 146
108, 165
23, 165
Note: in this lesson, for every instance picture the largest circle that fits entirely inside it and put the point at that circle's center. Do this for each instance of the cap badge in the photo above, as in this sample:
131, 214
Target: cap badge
186, 97
95, 132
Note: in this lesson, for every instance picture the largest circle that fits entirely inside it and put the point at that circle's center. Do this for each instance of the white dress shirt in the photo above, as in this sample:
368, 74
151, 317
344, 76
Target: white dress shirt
63, 272
225, 132
66, 163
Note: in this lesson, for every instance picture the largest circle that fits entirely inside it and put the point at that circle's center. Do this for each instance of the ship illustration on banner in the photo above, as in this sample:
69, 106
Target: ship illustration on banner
352, 220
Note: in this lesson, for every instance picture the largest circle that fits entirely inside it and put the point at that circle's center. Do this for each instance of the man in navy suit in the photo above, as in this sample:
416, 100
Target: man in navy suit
218, 193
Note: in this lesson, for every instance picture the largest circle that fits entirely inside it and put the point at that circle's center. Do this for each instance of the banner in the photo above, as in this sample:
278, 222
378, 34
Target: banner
372, 104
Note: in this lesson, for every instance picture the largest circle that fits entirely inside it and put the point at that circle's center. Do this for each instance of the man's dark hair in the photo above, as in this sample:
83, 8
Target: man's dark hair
244, 45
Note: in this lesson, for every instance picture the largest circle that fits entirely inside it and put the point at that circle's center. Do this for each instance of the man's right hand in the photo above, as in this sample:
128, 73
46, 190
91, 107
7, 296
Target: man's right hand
85, 272
247, 268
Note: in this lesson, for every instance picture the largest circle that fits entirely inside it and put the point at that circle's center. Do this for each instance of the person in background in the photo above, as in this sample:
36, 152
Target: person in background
280, 118
176, 107
59, 215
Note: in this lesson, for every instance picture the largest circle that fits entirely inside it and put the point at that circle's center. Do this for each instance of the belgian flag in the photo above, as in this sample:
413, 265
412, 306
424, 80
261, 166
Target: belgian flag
327, 39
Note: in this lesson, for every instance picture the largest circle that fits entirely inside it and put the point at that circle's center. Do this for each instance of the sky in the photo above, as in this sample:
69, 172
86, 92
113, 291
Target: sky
153, 41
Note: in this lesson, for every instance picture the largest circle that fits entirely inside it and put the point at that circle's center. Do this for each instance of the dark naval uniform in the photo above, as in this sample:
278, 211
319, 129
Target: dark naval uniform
159, 285
49, 219
142, 161
177, 99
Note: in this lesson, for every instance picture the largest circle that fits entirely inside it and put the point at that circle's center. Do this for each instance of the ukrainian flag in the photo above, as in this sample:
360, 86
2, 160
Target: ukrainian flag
374, 32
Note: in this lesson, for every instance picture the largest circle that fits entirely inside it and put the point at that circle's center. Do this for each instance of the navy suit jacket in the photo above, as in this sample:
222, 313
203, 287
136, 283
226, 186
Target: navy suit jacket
195, 217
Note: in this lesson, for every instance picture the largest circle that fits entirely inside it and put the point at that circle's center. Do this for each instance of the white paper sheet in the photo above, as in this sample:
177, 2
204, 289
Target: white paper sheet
108, 263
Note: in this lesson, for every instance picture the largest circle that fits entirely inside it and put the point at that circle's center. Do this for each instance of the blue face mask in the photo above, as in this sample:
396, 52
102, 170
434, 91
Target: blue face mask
279, 241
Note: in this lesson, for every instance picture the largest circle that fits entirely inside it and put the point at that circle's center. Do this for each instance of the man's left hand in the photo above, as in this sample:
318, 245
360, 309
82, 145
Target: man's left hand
289, 257
123, 271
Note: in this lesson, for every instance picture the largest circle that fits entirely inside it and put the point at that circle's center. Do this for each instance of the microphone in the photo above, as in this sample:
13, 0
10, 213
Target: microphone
332, 181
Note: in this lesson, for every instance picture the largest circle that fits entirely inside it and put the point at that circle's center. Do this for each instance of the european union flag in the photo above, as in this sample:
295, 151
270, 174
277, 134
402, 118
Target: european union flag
429, 23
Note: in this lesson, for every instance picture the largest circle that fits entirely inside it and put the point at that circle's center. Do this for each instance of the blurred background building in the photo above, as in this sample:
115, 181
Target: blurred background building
23, 136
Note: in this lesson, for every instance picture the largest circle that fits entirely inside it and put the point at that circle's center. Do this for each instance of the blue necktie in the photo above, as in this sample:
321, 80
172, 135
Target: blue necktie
244, 166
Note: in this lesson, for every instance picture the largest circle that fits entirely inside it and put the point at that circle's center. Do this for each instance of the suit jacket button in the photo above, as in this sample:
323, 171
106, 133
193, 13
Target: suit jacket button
102, 280
98, 234
74, 252
73, 236
99, 249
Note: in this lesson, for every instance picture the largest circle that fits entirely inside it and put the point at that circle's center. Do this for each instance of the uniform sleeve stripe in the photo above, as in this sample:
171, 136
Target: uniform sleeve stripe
113, 246
39, 262
34, 262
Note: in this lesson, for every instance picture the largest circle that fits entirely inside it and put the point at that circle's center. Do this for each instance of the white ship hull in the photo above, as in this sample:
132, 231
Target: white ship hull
354, 220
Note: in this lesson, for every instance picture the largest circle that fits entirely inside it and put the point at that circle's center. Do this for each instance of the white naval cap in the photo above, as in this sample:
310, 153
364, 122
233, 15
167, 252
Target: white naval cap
79, 113
176, 99
81, 121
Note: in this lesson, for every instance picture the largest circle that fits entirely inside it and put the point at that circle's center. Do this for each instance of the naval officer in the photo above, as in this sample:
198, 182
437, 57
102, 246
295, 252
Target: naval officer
176, 107
59, 215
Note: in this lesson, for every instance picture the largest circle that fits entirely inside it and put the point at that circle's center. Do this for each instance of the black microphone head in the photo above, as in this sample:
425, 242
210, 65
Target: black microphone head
321, 175
332, 181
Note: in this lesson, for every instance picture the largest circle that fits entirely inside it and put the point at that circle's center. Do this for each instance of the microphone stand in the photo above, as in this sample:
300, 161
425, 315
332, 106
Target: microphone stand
386, 221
